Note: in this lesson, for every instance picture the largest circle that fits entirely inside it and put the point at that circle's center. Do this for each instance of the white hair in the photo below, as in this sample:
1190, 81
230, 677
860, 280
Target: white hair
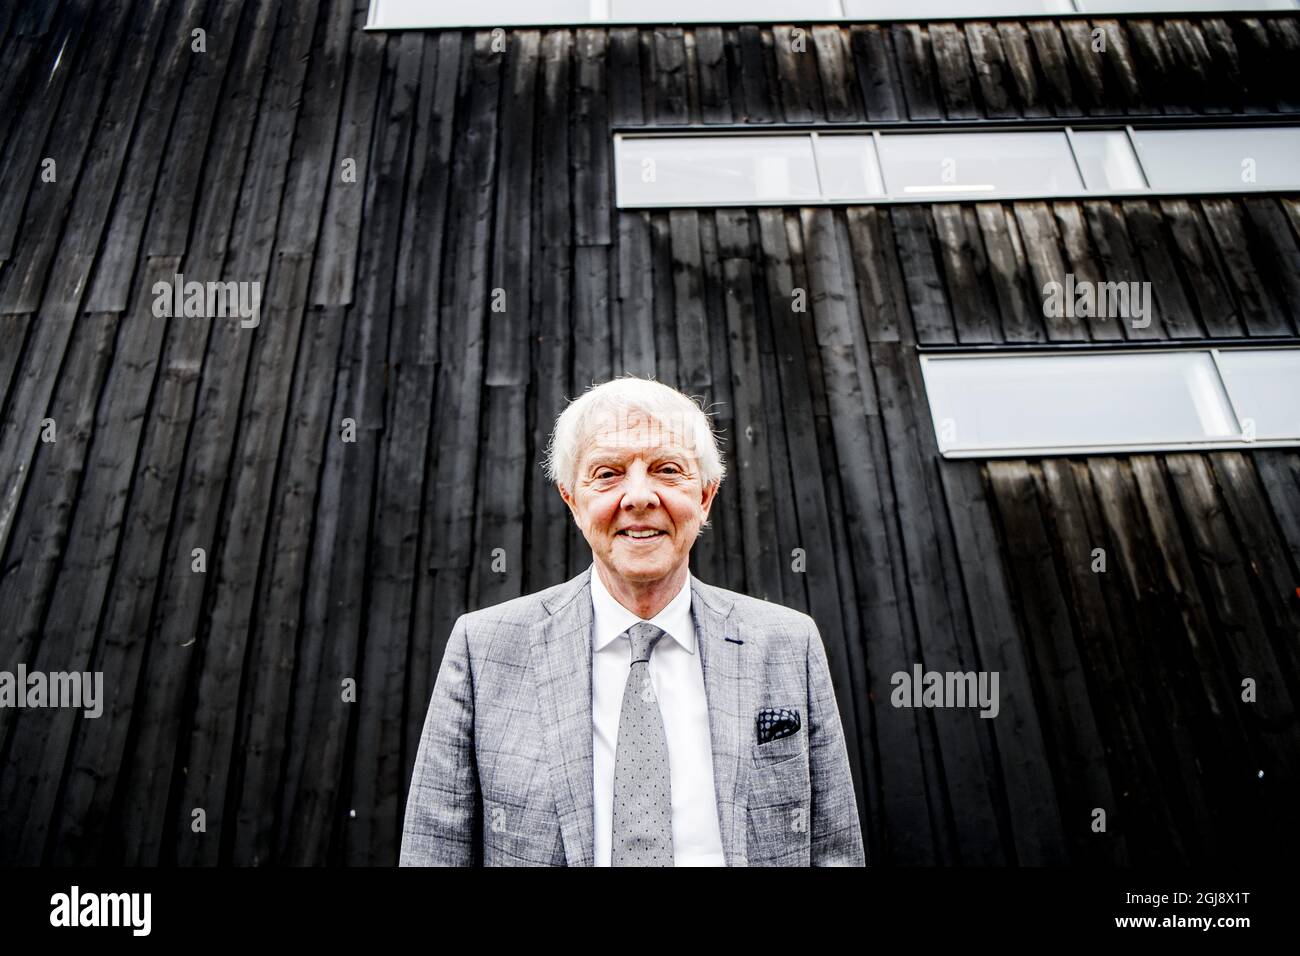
676, 414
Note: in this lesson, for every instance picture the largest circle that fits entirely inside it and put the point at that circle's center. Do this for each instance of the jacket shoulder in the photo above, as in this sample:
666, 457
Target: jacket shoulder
515, 614
756, 611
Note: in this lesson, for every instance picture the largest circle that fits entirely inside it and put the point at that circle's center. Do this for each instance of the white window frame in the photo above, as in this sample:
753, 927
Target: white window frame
600, 15
1241, 442
874, 136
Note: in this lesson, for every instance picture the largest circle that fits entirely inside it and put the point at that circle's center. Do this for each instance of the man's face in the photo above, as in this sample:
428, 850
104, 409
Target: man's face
637, 476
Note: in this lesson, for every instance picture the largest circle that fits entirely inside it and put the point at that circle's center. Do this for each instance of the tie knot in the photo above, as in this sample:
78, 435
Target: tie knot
643, 637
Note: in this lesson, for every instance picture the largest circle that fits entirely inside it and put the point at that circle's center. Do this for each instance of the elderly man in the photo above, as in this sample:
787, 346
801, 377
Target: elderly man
633, 716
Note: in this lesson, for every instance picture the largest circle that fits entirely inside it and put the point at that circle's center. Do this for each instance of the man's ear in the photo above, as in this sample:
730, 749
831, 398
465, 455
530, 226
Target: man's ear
568, 500
706, 498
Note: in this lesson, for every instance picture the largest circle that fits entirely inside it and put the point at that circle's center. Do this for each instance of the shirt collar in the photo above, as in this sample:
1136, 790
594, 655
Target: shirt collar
610, 619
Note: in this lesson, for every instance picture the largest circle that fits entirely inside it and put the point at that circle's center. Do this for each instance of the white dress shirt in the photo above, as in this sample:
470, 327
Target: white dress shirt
678, 681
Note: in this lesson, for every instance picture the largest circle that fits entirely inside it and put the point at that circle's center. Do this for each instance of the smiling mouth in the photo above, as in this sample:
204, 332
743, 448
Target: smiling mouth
642, 535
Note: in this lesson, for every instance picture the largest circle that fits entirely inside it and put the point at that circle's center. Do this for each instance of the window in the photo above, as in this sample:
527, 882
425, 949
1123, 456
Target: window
1188, 160
1265, 389
715, 170
413, 14
946, 9
926, 165
404, 14
808, 168
1180, 6
755, 11
1013, 405
847, 167
1107, 161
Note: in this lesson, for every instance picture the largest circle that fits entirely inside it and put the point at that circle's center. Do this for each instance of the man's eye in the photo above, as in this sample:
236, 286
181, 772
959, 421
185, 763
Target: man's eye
604, 473
672, 469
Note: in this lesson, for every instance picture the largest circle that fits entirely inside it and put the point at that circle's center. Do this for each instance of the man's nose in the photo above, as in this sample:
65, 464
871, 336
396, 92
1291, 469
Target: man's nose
639, 491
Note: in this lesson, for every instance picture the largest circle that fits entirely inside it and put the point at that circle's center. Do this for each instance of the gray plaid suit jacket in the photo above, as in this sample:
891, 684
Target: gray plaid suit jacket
503, 774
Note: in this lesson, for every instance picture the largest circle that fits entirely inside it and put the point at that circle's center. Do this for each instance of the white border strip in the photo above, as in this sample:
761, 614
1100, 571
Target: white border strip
600, 17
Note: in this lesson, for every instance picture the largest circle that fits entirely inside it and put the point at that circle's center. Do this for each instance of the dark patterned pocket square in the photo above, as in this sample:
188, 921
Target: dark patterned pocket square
777, 722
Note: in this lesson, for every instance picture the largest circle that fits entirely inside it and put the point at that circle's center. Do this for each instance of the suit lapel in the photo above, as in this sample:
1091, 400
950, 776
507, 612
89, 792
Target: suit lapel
729, 690
561, 663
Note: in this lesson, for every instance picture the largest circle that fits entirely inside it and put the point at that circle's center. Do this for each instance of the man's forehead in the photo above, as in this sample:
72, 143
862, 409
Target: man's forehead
633, 431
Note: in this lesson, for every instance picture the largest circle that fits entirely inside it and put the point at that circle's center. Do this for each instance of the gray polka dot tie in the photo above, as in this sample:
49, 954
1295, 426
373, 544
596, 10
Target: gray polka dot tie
643, 807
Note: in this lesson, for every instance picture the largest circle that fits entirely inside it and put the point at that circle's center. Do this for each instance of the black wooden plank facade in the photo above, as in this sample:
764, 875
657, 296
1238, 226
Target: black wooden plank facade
362, 466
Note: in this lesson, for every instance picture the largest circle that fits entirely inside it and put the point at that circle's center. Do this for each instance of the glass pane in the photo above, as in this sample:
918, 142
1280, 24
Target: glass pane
981, 165
1265, 388
443, 13
396, 14
848, 167
1107, 161
922, 9
687, 11
1176, 6
1077, 401
1192, 160
713, 170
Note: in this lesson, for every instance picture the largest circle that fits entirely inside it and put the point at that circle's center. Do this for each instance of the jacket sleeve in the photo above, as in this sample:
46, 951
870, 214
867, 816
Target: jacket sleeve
443, 822
836, 833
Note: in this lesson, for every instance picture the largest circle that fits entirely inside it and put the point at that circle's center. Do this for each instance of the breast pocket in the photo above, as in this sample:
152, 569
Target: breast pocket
779, 801
783, 748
